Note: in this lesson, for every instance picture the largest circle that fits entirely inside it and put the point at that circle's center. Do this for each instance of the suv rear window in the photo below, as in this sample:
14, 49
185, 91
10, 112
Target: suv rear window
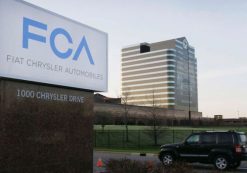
243, 138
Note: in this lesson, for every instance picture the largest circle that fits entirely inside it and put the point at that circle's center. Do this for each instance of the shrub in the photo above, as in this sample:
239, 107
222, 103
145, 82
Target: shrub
124, 166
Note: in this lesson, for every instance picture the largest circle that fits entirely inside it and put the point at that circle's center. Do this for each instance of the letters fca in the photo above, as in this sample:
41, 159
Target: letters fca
27, 35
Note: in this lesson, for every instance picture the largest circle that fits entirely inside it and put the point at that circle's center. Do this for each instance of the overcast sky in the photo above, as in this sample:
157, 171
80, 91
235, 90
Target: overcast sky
216, 28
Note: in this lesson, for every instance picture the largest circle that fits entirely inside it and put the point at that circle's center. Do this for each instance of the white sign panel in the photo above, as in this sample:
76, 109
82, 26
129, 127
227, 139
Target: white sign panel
40, 46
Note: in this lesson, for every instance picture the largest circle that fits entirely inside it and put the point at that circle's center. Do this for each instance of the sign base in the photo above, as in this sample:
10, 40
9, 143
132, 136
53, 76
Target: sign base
45, 129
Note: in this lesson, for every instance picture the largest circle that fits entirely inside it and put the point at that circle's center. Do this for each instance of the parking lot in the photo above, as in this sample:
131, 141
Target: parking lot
200, 168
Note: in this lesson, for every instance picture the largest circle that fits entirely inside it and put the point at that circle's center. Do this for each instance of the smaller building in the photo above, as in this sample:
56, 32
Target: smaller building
99, 98
218, 117
113, 111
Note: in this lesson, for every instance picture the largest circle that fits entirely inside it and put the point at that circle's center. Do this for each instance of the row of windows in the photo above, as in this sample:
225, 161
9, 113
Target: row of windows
148, 60
157, 96
147, 87
147, 71
145, 66
145, 55
157, 102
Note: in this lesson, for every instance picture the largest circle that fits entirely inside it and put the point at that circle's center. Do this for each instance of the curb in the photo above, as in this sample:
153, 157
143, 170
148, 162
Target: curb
129, 153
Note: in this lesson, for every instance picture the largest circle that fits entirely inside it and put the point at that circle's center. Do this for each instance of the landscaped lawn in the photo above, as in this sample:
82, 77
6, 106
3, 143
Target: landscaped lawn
141, 138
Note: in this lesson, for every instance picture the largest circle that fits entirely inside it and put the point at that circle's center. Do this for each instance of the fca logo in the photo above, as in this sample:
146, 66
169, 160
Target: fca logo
27, 35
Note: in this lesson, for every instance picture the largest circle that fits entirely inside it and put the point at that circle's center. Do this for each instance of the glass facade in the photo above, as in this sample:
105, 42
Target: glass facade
186, 78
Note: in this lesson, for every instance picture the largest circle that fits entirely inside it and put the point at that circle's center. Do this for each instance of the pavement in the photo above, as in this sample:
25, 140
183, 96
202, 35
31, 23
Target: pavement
105, 156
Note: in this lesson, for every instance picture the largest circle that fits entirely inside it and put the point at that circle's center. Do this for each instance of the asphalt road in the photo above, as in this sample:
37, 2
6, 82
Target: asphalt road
200, 168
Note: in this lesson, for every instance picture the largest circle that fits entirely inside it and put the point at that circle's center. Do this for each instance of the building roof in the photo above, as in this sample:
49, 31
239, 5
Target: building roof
99, 98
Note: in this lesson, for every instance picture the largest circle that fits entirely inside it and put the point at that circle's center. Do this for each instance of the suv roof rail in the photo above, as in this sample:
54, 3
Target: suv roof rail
215, 131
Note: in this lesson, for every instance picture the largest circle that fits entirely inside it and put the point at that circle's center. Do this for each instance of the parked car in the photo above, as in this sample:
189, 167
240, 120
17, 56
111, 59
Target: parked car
223, 149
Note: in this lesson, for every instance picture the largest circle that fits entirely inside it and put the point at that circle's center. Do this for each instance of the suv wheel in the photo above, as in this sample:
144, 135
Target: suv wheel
167, 159
221, 162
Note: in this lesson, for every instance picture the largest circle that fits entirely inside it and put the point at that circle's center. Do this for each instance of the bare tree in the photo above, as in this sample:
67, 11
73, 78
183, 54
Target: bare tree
124, 100
155, 118
103, 118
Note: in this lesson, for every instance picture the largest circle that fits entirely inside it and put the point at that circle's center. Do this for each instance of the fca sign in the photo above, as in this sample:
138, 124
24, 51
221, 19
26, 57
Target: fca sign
58, 31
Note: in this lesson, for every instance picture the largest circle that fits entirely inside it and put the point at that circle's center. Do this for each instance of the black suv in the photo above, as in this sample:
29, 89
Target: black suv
223, 149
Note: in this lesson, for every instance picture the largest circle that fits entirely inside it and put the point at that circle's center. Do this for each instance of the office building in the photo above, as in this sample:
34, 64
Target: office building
161, 74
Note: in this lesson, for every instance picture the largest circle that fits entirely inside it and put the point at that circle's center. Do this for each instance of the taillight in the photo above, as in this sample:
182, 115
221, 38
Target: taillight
238, 149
